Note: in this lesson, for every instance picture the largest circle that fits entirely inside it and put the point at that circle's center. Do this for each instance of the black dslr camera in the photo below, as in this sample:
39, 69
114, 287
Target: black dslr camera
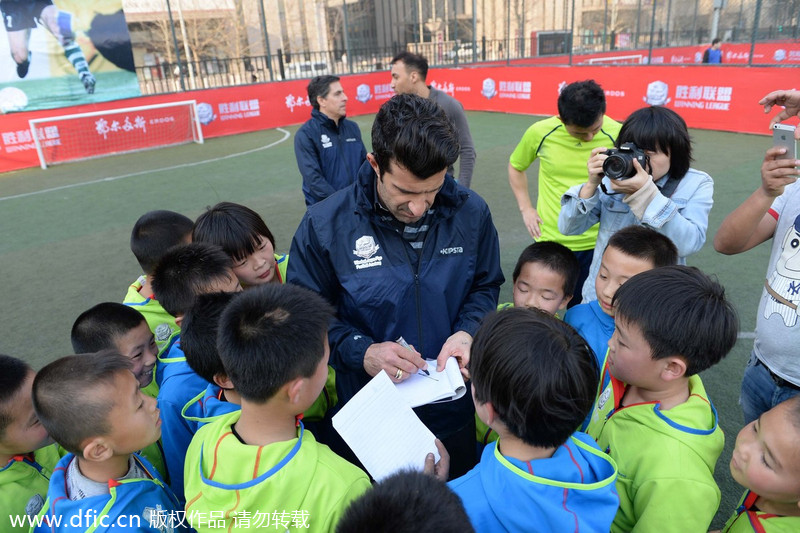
619, 163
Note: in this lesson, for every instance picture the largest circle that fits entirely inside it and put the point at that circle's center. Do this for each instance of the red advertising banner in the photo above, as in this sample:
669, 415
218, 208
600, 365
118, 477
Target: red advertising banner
707, 97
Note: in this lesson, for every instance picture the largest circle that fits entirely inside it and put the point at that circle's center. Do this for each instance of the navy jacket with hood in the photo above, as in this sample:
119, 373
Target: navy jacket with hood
328, 155
362, 265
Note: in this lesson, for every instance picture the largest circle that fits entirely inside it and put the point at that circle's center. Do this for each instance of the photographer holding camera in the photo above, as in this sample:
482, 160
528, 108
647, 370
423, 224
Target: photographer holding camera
645, 181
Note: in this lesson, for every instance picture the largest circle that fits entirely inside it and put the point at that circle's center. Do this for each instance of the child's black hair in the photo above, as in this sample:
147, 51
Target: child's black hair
62, 402
554, 256
406, 502
537, 372
645, 243
13, 373
235, 228
156, 232
99, 327
187, 271
199, 334
661, 129
271, 335
680, 311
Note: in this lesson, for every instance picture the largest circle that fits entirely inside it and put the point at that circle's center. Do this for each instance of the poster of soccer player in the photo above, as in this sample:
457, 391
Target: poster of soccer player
57, 53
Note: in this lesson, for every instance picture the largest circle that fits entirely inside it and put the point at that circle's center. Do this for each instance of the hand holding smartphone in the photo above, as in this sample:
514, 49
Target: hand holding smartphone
783, 137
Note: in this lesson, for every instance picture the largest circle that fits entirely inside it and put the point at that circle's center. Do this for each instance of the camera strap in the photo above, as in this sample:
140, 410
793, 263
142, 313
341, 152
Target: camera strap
669, 187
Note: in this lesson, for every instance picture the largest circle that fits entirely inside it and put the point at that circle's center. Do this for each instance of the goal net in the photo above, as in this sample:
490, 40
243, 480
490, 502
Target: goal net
114, 131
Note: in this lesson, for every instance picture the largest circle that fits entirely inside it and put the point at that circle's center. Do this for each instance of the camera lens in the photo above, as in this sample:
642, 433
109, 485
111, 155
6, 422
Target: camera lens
618, 166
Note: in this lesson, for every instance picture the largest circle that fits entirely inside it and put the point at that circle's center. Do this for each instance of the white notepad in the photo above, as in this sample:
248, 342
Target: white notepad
383, 431
444, 386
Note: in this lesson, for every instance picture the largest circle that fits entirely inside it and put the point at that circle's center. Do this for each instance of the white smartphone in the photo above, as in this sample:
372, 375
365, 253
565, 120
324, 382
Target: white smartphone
783, 136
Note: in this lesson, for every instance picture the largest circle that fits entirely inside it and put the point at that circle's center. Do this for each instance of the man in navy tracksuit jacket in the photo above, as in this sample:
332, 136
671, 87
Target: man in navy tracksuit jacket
328, 147
405, 251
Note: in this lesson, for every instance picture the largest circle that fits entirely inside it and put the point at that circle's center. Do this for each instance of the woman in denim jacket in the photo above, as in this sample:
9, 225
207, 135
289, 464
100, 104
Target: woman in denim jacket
663, 194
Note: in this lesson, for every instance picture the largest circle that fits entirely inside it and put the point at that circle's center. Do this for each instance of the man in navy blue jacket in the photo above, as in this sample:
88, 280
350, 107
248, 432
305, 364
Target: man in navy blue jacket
404, 251
328, 147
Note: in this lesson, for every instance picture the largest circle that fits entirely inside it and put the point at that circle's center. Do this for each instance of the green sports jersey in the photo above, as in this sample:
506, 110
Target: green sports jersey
562, 164
748, 519
23, 485
298, 485
161, 323
665, 458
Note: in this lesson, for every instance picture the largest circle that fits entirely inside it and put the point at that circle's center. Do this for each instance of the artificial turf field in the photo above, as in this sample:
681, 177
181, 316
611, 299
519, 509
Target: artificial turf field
65, 230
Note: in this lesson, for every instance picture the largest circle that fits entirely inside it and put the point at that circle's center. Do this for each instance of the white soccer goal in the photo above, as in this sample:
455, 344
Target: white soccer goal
101, 133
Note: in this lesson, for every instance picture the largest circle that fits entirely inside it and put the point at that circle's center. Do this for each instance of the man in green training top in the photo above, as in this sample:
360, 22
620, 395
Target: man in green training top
563, 144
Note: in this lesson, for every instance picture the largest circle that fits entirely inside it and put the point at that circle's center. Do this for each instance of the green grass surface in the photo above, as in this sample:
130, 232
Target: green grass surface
65, 250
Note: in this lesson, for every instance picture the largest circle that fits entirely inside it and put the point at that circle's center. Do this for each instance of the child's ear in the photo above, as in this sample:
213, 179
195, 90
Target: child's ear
674, 368
97, 449
294, 389
223, 382
565, 302
178, 319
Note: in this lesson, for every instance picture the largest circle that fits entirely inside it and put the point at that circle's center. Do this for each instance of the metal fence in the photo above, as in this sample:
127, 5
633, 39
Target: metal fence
178, 57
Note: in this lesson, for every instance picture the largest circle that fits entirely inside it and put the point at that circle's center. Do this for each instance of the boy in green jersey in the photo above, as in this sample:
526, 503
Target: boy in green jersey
153, 234
260, 461
654, 417
26, 458
767, 463
115, 327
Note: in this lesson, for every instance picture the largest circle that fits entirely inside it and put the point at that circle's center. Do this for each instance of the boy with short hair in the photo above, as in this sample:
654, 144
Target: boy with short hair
184, 272
199, 343
26, 458
631, 250
153, 234
114, 327
541, 473
407, 502
545, 277
101, 480
654, 417
766, 462
273, 345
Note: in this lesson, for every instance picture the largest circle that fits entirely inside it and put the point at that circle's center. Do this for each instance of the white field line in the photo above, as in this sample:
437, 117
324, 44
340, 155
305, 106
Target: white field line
286, 135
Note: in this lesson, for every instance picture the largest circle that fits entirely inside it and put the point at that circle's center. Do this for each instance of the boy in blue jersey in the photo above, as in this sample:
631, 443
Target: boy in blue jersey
101, 482
273, 345
153, 234
654, 417
184, 272
26, 457
533, 381
629, 251
199, 343
120, 329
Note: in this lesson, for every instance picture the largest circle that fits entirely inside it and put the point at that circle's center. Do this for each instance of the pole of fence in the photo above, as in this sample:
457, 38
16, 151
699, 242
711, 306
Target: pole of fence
347, 40
652, 32
508, 33
177, 49
754, 35
638, 24
266, 38
475, 33
571, 32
